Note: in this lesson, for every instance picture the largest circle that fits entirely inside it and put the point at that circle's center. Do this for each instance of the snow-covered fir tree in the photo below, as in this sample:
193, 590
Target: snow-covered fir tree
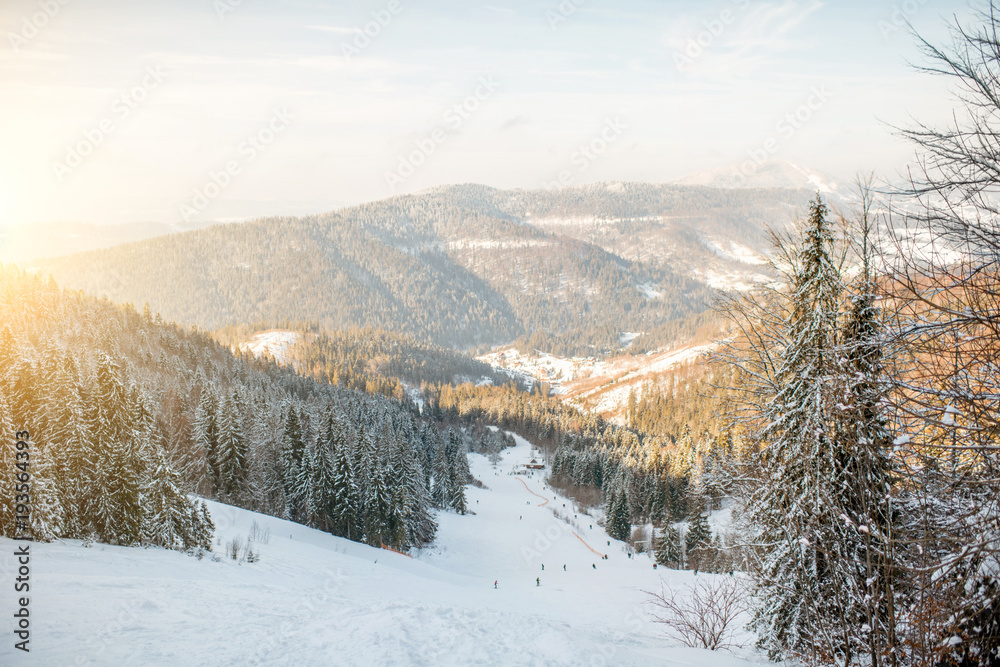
668, 548
231, 453
697, 540
206, 424
617, 520
293, 460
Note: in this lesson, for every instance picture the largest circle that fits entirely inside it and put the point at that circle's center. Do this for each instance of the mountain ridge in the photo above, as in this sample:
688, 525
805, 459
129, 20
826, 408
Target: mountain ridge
462, 266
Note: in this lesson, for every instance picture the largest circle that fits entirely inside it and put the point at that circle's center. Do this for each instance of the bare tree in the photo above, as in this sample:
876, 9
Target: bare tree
703, 615
946, 315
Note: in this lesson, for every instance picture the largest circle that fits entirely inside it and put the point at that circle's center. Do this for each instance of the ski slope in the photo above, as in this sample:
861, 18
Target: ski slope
315, 599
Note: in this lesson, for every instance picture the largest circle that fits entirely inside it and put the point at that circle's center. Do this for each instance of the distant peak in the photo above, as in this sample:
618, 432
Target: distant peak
771, 174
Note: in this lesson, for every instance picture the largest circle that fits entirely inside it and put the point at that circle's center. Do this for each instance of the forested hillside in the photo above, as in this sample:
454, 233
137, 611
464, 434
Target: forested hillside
128, 415
460, 266
382, 362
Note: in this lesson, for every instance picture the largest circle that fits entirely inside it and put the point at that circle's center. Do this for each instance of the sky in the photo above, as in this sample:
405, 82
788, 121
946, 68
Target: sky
116, 111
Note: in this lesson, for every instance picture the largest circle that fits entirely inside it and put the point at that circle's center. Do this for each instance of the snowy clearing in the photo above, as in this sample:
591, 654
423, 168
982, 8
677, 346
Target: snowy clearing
275, 343
599, 385
317, 599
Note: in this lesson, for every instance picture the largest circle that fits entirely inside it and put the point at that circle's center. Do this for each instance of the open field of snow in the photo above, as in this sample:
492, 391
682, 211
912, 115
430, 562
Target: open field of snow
599, 385
314, 599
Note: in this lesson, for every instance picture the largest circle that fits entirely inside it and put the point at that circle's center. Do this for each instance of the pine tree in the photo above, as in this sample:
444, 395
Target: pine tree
322, 483
346, 504
343, 504
669, 549
376, 508
207, 433
68, 442
458, 471
619, 524
293, 454
697, 540
441, 492
172, 521
801, 582
204, 528
231, 456
8, 471
866, 471
116, 514
400, 501
421, 525
47, 516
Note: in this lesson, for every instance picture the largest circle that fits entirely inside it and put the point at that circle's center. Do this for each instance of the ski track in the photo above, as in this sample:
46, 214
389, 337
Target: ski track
315, 599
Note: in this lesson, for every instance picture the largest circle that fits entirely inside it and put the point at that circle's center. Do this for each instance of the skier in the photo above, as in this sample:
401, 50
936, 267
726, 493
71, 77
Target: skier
594, 565
495, 584
538, 581
543, 567
564, 567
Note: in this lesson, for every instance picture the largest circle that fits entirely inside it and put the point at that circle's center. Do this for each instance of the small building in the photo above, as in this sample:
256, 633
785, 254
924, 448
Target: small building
534, 465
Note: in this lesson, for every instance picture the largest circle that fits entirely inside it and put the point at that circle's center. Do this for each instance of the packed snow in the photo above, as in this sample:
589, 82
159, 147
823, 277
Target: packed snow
312, 598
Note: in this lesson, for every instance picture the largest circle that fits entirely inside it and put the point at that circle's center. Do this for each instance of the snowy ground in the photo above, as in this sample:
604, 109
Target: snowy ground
314, 599
602, 386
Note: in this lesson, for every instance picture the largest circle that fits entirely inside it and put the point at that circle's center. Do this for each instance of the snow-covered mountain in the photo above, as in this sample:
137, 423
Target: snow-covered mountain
467, 265
771, 174
314, 599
